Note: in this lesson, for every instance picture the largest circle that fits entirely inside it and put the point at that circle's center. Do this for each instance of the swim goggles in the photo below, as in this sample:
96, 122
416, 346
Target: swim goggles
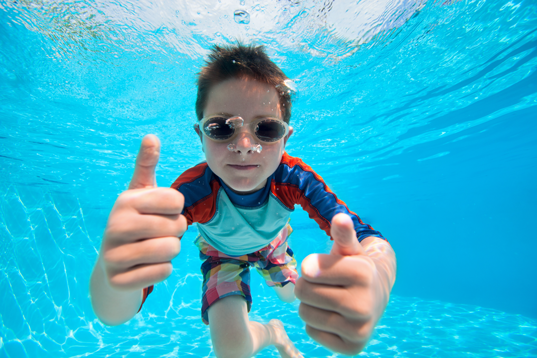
223, 129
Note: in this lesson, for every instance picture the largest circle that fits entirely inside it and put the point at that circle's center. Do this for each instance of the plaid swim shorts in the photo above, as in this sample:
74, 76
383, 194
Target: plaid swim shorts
225, 275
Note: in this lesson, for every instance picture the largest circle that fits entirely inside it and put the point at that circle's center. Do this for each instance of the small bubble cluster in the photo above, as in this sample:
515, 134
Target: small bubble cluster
256, 148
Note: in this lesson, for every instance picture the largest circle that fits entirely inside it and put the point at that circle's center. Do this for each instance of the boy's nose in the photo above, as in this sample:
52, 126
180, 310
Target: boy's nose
245, 142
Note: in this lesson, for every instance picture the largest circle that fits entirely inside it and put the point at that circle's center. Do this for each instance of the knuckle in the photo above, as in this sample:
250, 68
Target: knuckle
116, 226
173, 198
299, 288
121, 198
181, 225
116, 282
363, 271
179, 198
111, 257
176, 247
125, 199
170, 246
357, 331
365, 330
357, 306
351, 349
164, 271
108, 257
303, 312
360, 309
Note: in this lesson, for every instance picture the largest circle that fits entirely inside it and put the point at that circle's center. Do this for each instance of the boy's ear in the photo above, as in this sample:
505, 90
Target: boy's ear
198, 132
291, 130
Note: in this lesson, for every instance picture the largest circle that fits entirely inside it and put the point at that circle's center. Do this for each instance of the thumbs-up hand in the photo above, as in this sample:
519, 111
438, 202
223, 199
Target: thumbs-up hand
341, 294
141, 236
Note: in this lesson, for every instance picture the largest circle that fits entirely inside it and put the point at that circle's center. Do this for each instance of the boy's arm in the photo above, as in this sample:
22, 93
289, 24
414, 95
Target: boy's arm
139, 242
113, 307
298, 183
344, 293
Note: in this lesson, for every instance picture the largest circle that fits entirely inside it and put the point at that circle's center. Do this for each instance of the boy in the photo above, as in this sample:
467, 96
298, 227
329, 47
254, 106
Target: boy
241, 199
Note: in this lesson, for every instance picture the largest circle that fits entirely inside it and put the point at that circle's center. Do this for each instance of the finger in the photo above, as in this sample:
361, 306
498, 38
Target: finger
150, 251
353, 304
130, 228
166, 201
345, 241
334, 342
338, 270
333, 322
146, 161
141, 276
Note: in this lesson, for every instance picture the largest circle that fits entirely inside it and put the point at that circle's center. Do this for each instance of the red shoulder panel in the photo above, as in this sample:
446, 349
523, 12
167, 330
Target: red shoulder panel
190, 175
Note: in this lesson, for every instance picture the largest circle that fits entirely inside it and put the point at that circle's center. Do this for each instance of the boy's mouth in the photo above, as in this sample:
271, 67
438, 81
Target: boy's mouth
244, 166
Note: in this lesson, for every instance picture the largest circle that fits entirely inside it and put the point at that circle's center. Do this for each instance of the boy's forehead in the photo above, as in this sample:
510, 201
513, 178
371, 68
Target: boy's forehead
243, 97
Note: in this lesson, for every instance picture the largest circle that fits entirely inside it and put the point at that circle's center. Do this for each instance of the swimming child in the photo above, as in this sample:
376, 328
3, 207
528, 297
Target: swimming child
241, 199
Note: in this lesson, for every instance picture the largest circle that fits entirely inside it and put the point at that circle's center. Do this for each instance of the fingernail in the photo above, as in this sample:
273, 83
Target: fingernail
310, 266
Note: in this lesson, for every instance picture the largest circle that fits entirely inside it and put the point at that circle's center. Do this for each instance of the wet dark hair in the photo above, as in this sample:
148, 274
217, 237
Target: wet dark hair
241, 61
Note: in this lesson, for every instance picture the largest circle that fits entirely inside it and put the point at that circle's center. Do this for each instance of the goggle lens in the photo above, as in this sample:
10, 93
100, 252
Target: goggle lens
270, 130
216, 128
266, 130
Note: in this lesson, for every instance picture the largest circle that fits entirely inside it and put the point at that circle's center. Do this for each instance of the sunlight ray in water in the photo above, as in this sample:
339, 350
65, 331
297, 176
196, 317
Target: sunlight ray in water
185, 25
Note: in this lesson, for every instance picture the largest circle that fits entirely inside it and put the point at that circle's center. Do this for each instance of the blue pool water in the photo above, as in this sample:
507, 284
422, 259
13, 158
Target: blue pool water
420, 115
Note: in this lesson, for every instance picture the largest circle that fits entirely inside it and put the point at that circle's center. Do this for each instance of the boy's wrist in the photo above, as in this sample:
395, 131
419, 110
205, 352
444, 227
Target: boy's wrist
112, 306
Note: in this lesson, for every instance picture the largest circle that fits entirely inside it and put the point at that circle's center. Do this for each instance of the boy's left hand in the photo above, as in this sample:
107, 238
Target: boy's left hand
343, 293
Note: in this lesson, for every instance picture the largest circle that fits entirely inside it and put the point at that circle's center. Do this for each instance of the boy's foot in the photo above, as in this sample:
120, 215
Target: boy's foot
283, 344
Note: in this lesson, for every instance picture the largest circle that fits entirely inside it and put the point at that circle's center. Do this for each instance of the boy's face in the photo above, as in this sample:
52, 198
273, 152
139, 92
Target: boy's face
243, 170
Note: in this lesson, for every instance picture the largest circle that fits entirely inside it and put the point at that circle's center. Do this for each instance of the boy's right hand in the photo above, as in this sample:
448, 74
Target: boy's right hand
144, 226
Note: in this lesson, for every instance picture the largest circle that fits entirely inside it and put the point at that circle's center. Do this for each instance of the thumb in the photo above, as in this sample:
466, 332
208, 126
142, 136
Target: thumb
146, 161
345, 241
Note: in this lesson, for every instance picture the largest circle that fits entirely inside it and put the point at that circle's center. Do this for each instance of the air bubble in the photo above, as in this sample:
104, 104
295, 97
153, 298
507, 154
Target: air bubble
243, 2
290, 84
242, 17
235, 122
257, 148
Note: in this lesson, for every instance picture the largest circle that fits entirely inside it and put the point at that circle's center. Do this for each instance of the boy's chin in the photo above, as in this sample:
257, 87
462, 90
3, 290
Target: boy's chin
244, 188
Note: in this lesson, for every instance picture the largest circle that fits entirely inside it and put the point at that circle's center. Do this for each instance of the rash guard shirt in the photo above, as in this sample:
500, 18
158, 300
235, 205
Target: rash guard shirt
242, 224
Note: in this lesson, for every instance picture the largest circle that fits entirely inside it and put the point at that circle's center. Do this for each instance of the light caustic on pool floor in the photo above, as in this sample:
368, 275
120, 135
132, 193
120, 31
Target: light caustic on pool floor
46, 312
